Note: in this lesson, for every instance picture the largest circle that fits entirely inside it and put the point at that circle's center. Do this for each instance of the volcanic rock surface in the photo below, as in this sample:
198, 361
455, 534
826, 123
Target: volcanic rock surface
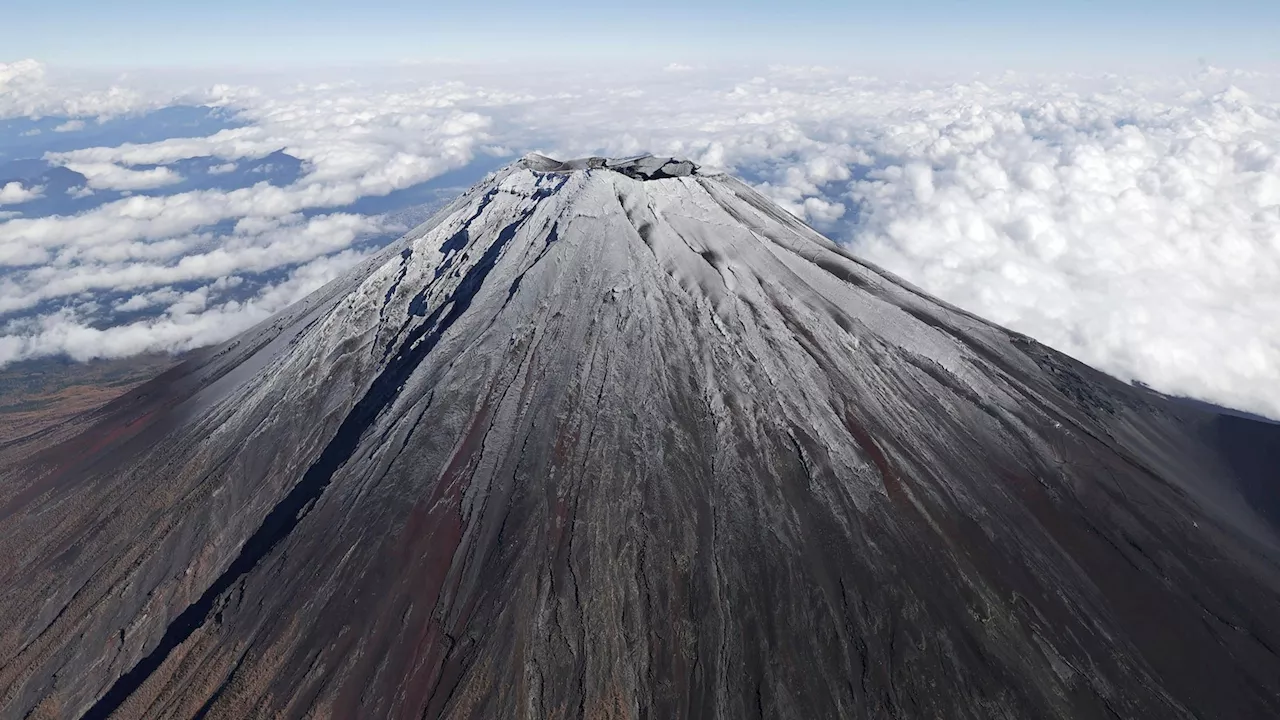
621, 439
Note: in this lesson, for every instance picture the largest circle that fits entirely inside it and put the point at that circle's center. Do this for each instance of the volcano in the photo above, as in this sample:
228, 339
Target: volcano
622, 439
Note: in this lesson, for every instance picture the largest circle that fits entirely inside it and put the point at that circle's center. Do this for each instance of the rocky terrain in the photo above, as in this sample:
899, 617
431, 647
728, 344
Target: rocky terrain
42, 401
621, 439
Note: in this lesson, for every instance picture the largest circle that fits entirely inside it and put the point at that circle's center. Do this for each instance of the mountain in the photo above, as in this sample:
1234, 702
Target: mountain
615, 439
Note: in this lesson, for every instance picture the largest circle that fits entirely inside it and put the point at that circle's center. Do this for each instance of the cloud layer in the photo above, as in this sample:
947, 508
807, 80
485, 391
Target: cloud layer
1142, 239
1131, 222
25, 91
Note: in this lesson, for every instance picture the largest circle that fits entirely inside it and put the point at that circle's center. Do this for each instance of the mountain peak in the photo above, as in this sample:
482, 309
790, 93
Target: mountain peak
639, 167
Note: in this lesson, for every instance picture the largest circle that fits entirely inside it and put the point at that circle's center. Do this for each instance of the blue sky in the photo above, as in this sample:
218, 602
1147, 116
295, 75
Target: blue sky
916, 33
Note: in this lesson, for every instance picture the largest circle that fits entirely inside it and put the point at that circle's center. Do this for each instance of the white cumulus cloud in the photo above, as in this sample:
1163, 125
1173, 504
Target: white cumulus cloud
27, 90
70, 126
109, 176
13, 193
1143, 239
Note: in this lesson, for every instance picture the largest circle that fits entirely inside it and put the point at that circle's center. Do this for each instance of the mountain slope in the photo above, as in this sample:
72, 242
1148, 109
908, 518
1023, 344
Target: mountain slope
622, 439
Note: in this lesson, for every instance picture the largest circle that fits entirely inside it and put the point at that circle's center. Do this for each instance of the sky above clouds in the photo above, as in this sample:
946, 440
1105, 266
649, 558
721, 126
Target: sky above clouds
922, 34
1103, 176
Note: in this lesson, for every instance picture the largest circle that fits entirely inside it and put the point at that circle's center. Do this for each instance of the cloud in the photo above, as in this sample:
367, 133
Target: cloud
22, 72
26, 91
255, 246
190, 321
1143, 239
1132, 222
14, 193
109, 176
70, 126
